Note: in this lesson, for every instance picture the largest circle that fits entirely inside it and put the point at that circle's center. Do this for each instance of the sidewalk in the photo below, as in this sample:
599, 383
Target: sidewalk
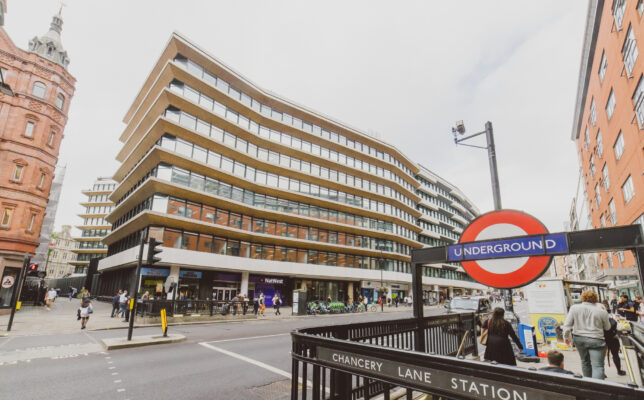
62, 318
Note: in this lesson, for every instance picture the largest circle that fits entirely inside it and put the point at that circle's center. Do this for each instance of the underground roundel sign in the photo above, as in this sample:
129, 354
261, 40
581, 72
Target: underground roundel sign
506, 249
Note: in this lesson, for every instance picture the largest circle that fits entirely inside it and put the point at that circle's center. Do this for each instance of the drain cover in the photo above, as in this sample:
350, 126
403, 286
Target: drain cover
280, 390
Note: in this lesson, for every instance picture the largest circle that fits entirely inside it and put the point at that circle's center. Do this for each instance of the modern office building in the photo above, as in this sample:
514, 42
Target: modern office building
94, 228
607, 127
61, 254
250, 192
35, 92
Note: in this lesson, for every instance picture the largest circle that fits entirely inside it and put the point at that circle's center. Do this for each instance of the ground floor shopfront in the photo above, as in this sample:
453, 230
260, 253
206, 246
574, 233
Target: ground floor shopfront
10, 265
196, 275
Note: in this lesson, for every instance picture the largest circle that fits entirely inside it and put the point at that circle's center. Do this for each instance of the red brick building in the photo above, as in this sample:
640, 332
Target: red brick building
35, 92
608, 123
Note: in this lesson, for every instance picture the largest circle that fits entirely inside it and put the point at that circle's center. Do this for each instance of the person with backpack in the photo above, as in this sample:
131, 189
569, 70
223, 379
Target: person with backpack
85, 310
612, 343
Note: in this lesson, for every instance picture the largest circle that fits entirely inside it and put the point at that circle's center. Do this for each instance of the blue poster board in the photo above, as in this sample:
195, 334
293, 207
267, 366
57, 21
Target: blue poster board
528, 340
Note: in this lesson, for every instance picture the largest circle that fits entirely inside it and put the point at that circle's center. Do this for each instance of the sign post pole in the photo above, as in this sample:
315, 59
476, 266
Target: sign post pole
18, 288
135, 290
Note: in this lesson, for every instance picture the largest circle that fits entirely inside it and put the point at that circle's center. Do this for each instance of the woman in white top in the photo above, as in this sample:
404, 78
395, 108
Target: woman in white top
85, 310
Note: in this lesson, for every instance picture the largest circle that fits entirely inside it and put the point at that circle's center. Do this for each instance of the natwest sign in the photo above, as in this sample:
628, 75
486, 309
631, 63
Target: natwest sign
506, 249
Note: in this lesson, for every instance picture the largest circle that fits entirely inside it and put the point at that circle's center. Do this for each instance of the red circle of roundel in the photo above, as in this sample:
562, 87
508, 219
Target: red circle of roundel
531, 270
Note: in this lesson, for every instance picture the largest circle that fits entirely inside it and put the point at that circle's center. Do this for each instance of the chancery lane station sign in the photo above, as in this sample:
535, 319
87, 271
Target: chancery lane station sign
506, 249
432, 379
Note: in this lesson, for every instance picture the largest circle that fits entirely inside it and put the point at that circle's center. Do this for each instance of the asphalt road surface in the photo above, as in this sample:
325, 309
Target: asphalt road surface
234, 360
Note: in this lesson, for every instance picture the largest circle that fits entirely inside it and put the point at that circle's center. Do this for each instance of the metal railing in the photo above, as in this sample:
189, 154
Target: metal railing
152, 308
375, 360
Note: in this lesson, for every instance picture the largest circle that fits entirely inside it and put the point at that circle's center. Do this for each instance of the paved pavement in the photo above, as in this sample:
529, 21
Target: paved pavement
61, 318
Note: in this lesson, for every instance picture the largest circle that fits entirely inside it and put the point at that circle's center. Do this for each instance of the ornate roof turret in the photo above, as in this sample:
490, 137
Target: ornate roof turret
49, 45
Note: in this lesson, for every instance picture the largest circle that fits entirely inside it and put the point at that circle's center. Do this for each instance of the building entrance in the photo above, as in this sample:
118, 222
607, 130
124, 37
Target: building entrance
223, 293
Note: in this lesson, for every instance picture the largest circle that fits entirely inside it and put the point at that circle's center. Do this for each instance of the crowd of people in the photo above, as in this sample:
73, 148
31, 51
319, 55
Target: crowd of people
588, 325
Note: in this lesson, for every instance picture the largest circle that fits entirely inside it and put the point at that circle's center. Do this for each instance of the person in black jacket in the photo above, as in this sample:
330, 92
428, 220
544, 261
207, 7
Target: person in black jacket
115, 303
612, 343
498, 347
556, 363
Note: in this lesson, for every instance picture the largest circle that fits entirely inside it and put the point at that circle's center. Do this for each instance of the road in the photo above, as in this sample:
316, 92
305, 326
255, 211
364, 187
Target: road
233, 360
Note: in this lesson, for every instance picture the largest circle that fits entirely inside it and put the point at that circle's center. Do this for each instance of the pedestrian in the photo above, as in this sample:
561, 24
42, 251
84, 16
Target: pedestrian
584, 326
85, 310
71, 293
50, 297
365, 301
626, 308
613, 304
255, 305
115, 304
123, 303
640, 308
498, 347
262, 304
556, 363
126, 307
146, 296
276, 304
612, 343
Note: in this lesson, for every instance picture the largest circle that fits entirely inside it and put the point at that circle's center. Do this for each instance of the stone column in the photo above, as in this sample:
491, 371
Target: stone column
451, 292
244, 283
350, 292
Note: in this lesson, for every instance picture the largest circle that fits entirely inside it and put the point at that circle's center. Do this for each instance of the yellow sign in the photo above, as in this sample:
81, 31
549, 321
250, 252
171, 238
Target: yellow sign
164, 321
131, 304
18, 304
547, 323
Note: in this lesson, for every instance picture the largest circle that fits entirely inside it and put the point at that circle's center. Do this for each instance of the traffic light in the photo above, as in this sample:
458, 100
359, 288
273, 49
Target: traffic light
152, 251
32, 270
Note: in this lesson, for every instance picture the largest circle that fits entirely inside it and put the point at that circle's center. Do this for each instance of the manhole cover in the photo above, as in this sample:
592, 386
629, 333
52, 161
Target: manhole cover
280, 390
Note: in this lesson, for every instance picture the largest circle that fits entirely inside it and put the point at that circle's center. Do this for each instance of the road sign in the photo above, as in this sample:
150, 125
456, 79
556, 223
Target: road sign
8, 281
506, 249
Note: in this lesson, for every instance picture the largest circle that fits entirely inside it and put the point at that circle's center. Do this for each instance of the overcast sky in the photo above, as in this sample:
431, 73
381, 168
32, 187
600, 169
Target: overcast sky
404, 69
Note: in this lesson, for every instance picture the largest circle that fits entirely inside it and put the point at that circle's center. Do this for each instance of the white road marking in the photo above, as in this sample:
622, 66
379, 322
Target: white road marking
117, 381
248, 360
120, 390
112, 368
257, 363
248, 338
115, 373
110, 362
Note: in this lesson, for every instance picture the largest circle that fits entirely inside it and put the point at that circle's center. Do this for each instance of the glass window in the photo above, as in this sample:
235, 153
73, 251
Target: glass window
629, 51
6, 217
593, 112
52, 136
227, 164
627, 189
184, 148
610, 105
180, 176
598, 198
638, 103
200, 154
29, 129
602, 67
214, 159
39, 90
600, 144
606, 179
17, 173
613, 211
618, 147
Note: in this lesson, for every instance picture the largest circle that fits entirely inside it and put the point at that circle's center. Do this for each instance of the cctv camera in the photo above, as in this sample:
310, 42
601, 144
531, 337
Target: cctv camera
460, 127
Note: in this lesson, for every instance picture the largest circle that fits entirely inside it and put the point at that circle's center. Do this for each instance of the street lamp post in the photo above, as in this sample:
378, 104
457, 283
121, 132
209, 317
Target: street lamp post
459, 129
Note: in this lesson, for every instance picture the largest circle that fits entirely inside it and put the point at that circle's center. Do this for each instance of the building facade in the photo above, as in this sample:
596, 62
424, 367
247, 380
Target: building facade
61, 254
249, 193
607, 128
35, 92
94, 228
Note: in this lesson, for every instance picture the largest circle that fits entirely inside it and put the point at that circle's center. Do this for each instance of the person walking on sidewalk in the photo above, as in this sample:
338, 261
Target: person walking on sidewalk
262, 304
276, 303
123, 303
85, 310
498, 347
365, 301
255, 305
115, 304
612, 343
585, 326
50, 297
